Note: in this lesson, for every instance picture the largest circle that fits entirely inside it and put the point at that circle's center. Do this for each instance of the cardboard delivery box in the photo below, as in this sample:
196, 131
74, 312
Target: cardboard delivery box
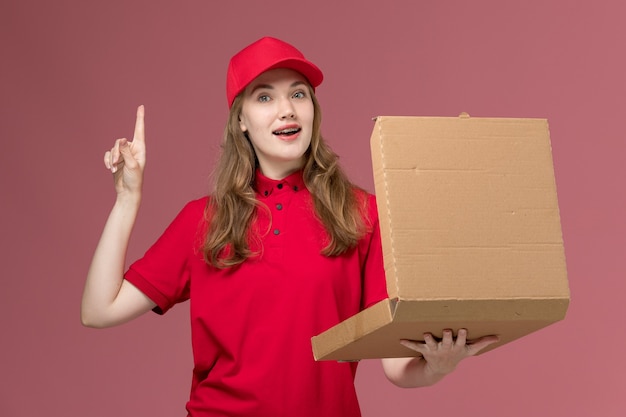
471, 235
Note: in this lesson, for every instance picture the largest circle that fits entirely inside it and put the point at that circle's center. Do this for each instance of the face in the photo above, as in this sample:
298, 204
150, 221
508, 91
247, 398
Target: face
277, 115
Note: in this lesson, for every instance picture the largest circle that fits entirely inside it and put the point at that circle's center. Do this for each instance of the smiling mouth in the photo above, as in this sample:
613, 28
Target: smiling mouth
287, 132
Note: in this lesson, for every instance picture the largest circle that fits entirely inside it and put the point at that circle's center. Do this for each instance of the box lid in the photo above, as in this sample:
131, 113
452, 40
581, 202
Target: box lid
468, 208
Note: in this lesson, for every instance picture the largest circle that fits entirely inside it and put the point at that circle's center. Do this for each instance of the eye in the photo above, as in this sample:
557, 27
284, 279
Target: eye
263, 98
299, 94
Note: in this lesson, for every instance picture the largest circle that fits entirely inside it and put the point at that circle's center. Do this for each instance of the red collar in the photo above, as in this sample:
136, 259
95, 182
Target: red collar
265, 186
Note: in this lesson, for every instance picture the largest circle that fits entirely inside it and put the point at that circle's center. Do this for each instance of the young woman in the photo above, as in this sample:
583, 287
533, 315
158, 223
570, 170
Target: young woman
283, 249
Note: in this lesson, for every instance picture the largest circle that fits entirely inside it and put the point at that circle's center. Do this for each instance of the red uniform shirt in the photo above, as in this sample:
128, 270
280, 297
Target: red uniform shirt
252, 325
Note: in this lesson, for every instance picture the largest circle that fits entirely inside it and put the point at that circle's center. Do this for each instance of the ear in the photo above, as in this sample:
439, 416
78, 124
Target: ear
242, 125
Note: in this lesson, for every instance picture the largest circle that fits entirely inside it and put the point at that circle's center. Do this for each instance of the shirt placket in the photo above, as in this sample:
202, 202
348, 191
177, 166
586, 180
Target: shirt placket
278, 203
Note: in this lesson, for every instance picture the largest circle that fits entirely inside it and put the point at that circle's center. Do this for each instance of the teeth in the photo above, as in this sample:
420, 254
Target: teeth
286, 131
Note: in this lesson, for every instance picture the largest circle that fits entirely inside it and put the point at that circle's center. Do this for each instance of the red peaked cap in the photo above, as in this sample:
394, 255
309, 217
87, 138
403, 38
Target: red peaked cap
263, 55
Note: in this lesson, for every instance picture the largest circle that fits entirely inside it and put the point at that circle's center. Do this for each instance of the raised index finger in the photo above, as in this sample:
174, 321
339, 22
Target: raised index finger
140, 133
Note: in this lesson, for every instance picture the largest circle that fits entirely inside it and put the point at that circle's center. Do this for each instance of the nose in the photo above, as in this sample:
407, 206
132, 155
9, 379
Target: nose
286, 109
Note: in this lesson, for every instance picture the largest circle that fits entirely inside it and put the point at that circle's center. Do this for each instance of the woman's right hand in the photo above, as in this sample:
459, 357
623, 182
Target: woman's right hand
126, 160
108, 299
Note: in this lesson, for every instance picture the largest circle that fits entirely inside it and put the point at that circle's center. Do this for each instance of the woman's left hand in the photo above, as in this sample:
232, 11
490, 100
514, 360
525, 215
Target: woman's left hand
442, 356
437, 358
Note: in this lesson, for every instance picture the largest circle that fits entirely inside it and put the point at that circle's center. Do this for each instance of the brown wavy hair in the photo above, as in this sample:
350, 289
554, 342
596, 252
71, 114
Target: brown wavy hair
339, 204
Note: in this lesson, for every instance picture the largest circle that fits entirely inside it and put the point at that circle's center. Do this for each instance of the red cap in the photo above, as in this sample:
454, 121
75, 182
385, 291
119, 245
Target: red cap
263, 55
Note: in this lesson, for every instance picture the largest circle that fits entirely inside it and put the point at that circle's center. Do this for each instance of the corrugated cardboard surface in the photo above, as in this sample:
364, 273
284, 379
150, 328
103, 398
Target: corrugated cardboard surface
470, 230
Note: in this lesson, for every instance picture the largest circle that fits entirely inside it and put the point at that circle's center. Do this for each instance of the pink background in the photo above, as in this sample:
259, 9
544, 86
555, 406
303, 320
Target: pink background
72, 73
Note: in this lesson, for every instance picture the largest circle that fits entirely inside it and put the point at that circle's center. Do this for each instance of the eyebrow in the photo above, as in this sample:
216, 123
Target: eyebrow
271, 87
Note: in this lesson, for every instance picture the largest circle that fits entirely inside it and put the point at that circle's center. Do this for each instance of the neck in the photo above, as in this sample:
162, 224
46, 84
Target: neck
278, 172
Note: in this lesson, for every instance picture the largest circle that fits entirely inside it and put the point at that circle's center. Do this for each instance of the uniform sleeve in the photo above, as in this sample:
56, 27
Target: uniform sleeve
163, 273
374, 281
